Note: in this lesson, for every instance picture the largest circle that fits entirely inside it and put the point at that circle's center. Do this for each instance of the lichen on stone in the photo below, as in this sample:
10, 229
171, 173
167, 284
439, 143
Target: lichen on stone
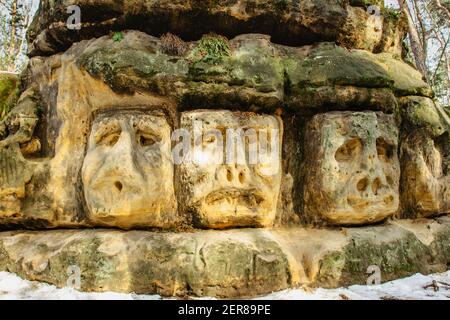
9, 93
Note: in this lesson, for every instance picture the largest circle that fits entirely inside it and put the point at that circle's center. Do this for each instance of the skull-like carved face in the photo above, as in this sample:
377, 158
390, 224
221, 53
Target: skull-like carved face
426, 173
127, 171
231, 175
352, 167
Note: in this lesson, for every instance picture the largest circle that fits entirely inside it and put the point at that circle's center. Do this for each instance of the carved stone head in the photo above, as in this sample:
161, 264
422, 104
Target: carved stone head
231, 173
425, 158
127, 172
426, 173
352, 169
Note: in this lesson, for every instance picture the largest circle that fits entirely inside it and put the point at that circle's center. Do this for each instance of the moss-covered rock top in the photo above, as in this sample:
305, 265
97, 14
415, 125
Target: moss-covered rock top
248, 70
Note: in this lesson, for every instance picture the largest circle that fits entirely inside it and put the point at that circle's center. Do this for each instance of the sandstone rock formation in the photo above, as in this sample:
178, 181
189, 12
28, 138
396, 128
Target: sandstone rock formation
127, 152
283, 119
426, 157
287, 21
233, 263
352, 167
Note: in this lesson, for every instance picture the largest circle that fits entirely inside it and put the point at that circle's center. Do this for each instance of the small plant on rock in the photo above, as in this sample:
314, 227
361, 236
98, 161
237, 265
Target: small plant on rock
211, 48
173, 45
117, 36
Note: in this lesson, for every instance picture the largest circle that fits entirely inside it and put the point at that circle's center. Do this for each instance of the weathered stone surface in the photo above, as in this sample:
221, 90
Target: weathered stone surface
425, 157
17, 141
328, 65
127, 172
311, 100
19, 124
9, 89
226, 263
232, 173
290, 22
253, 72
248, 73
352, 169
244, 113
399, 249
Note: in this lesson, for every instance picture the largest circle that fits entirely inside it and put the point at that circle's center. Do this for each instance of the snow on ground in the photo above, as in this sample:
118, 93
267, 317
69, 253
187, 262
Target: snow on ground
417, 287
435, 286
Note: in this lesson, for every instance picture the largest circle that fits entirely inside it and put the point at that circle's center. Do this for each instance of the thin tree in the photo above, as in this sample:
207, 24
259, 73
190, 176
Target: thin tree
15, 17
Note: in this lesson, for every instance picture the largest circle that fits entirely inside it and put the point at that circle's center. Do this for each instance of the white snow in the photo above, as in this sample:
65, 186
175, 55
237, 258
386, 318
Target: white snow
415, 287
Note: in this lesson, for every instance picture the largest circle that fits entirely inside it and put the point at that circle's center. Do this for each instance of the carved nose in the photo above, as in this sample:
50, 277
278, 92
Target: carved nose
367, 184
234, 175
121, 169
118, 185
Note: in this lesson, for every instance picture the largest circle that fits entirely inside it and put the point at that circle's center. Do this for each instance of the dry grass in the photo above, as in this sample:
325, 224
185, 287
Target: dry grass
173, 45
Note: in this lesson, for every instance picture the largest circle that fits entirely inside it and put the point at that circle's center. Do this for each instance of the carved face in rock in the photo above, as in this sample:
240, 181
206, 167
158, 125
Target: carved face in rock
127, 172
352, 168
14, 174
426, 173
224, 183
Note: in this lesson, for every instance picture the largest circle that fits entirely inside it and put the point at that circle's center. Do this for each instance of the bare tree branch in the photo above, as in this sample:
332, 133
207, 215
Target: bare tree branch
443, 8
444, 50
414, 38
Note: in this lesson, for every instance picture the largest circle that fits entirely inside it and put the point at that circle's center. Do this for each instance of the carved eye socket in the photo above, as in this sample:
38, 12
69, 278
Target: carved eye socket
385, 150
109, 140
349, 150
146, 140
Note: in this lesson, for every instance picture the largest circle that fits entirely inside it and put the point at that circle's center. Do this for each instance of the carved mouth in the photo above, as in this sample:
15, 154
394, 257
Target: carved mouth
249, 197
362, 203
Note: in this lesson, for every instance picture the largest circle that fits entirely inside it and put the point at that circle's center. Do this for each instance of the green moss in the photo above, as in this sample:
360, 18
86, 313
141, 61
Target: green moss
9, 91
331, 65
390, 13
420, 112
397, 258
127, 69
442, 244
210, 49
117, 36
95, 267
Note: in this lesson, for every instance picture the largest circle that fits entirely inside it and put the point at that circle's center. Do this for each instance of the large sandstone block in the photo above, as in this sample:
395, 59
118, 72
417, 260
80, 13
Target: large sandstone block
231, 176
425, 157
290, 22
351, 169
250, 71
227, 264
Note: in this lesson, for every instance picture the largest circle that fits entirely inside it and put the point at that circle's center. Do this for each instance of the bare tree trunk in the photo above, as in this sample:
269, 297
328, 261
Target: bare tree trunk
423, 30
414, 38
13, 35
